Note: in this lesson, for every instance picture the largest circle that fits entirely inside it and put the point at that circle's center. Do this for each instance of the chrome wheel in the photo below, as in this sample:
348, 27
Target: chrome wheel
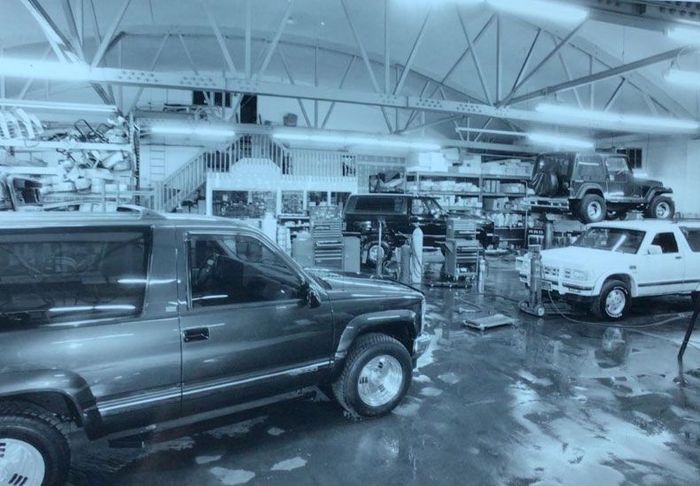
594, 210
380, 380
615, 302
20, 463
663, 210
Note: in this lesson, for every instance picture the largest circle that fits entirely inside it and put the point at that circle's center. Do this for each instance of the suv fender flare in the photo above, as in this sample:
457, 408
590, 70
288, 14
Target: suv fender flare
402, 319
71, 386
656, 191
587, 188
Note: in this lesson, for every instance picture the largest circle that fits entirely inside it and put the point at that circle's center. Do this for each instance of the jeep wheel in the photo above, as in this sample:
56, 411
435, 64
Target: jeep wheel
33, 450
661, 207
376, 376
613, 303
372, 249
592, 209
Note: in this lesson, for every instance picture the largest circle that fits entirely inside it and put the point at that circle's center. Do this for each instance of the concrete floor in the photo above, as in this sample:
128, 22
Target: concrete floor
545, 401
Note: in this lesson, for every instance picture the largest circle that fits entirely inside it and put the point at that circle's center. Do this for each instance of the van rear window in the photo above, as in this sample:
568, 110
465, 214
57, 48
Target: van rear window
71, 274
380, 204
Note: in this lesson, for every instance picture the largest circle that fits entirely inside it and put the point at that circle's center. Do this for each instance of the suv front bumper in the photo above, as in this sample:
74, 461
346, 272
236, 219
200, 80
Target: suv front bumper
420, 346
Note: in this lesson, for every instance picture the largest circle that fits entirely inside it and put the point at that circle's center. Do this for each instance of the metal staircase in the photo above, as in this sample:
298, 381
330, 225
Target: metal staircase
182, 184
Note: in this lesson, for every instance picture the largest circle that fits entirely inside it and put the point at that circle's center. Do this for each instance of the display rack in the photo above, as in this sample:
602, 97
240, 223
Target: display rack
491, 194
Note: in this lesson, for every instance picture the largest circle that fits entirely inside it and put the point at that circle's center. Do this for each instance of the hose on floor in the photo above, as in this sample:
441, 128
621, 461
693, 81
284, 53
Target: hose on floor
677, 317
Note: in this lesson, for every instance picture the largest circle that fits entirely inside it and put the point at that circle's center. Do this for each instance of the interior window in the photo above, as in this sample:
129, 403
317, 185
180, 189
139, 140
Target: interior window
238, 269
616, 165
71, 274
692, 236
667, 242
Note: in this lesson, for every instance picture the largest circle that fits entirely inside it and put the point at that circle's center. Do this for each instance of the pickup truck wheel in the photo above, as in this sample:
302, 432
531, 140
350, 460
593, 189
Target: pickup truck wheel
33, 449
592, 209
376, 376
613, 303
661, 207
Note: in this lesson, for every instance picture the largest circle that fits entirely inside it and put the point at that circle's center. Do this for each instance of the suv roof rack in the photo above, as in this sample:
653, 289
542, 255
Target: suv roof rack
140, 210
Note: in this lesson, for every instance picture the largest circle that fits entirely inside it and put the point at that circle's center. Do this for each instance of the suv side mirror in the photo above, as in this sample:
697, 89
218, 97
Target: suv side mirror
309, 295
655, 250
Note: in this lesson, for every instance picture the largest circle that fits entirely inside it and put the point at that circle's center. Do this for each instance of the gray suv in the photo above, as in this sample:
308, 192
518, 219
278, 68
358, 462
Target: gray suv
137, 321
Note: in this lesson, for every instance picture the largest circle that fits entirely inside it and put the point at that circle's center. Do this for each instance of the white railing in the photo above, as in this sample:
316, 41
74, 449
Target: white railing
184, 182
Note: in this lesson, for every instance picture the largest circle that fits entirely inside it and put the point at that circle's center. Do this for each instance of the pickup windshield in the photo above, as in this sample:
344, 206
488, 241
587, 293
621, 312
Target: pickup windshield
611, 239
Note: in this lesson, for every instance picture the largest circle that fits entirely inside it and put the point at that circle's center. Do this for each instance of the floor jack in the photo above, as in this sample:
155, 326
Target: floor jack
535, 304
691, 324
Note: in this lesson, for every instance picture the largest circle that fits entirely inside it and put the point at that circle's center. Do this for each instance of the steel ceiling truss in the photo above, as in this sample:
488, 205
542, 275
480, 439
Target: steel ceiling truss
449, 98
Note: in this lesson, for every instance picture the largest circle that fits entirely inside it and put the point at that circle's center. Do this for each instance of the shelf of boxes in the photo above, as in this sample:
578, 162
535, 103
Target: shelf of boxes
493, 192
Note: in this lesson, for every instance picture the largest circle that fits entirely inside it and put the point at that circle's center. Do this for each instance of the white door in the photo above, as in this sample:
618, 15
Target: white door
662, 266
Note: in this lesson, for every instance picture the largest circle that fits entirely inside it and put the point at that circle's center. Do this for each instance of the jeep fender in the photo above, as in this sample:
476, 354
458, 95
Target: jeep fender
656, 191
401, 319
72, 387
587, 188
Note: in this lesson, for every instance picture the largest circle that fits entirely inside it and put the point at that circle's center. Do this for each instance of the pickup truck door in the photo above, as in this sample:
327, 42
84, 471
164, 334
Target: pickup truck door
689, 240
661, 273
246, 331
620, 182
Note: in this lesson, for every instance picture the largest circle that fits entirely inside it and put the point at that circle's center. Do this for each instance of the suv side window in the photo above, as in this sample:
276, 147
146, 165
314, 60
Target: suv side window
588, 168
419, 208
667, 242
692, 236
617, 165
70, 274
237, 269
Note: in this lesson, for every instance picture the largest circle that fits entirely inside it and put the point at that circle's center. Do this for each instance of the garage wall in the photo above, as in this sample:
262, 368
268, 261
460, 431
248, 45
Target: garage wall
677, 163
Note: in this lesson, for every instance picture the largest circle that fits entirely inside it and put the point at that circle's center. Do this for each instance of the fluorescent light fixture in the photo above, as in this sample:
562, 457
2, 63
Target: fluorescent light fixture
358, 140
554, 11
685, 35
58, 71
685, 78
59, 106
615, 121
557, 141
195, 130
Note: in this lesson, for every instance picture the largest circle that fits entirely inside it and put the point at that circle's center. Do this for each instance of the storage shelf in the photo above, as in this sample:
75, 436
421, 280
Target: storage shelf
503, 194
506, 177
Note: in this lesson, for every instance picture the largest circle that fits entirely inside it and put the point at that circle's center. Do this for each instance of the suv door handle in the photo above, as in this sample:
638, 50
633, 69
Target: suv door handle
679, 257
195, 334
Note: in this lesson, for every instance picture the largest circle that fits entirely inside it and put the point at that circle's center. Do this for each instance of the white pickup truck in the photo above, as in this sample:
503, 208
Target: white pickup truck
611, 263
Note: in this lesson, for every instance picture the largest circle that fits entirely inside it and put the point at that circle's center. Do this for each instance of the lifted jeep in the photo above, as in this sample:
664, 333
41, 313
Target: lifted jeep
596, 186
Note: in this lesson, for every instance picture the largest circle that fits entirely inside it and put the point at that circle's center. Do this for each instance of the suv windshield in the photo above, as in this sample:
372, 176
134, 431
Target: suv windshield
611, 239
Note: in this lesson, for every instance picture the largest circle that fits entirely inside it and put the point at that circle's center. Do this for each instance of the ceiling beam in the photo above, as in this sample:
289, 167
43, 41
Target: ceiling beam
412, 55
655, 16
534, 70
214, 81
601, 76
219, 38
109, 34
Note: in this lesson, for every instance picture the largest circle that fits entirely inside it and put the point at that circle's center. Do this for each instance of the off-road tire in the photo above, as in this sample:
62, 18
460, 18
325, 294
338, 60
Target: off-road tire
32, 424
599, 307
655, 204
364, 349
583, 208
